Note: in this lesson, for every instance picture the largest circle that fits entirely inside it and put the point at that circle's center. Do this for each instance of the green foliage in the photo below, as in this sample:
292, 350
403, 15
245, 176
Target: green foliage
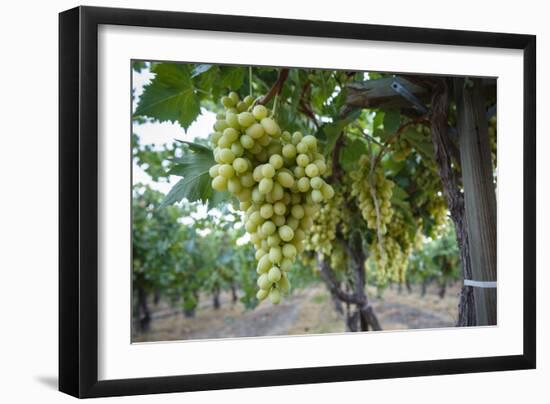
182, 260
195, 185
232, 77
329, 132
392, 120
437, 259
171, 95
311, 101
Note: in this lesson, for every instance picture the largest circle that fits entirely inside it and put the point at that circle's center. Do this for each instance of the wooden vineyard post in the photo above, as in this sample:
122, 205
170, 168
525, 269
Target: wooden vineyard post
479, 194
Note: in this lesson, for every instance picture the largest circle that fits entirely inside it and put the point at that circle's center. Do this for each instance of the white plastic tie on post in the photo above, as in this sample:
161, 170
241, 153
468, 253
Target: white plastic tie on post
480, 284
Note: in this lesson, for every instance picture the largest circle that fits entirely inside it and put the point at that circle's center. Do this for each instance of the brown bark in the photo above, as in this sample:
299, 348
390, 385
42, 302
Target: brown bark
144, 313
216, 298
362, 316
276, 87
234, 296
455, 199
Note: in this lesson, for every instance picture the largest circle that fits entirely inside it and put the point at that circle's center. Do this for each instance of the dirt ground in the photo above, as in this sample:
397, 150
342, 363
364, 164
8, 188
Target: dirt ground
308, 311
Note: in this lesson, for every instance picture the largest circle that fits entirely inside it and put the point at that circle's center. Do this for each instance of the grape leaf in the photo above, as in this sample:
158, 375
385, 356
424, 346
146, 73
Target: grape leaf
351, 153
216, 198
378, 120
191, 187
195, 185
170, 96
392, 120
197, 147
232, 77
328, 133
190, 108
420, 142
208, 82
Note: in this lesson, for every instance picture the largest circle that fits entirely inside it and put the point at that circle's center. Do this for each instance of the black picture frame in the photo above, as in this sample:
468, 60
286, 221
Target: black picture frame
78, 201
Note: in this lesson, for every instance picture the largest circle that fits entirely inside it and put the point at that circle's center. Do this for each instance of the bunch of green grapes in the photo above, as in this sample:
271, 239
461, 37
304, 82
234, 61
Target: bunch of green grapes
363, 183
322, 233
401, 149
392, 260
277, 178
419, 238
437, 208
431, 197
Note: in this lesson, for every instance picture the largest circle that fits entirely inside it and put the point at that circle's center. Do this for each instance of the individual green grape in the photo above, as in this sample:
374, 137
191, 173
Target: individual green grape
289, 251
259, 112
275, 296
284, 283
289, 151
316, 196
264, 282
247, 142
242, 106
240, 165
285, 179
219, 183
255, 131
234, 185
279, 208
266, 185
296, 138
214, 171
273, 240
275, 255
276, 161
268, 228
268, 171
232, 120
234, 97
231, 134
245, 119
263, 264
274, 275
312, 170
262, 294
270, 126
317, 182
226, 170
226, 156
266, 211
302, 160
286, 233
302, 147
227, 102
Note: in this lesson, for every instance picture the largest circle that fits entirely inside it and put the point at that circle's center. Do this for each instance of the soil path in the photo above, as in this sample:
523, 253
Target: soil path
305, 312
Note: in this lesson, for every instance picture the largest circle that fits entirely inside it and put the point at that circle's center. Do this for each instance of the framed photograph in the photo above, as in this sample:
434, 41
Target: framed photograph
252, 201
